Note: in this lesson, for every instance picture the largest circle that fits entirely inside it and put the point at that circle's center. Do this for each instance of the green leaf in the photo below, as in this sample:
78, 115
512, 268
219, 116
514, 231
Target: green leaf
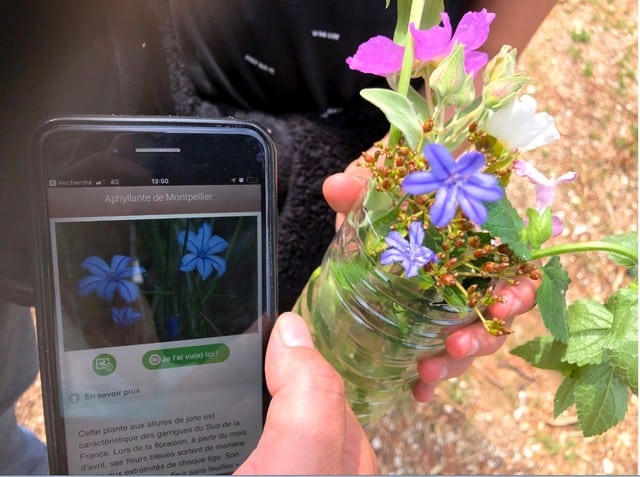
623, 348
430, 17
624, 361
629, 240
601, 399
550, 298
419, 104
503, 221
539, 229
564, 395
544, 352
399, 112
402, 23
431, 13
589, 326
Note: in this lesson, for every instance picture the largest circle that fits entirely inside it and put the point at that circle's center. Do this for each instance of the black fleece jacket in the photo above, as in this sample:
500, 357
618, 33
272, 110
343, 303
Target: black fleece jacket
279, 63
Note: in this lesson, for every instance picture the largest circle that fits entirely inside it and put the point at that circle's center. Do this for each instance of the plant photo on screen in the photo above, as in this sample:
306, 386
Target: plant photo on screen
157, 280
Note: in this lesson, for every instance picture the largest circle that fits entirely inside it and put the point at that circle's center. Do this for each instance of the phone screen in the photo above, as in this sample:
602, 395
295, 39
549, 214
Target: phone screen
157, 291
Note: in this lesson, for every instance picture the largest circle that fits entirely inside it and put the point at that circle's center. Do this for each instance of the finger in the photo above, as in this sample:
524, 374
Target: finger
474, 340
517, 299
423, 391
442, 367
432, 370
307, 411
359, 456
342, 191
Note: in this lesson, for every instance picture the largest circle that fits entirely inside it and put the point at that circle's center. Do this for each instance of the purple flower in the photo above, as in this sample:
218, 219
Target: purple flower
125, 316
106, 279
411, 254
545, 188
202, 248
381, 56
457, 183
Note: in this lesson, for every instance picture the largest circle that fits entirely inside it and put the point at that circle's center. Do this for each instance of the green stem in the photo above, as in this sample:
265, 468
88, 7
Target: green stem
407, 63
593, 246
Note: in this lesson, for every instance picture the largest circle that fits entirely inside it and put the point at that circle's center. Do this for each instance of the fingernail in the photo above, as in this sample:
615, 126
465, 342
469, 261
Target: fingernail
443, 372
294, 332
474, 346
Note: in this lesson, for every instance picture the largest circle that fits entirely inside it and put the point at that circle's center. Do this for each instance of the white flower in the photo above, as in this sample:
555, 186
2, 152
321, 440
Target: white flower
519, 126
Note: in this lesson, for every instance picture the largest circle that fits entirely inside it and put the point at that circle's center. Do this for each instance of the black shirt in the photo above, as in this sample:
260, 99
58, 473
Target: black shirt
280, 56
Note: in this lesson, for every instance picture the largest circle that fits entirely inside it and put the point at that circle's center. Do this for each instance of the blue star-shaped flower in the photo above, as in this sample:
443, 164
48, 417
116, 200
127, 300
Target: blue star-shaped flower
106, 279
202, 248
125, 316
457, 183
411, 254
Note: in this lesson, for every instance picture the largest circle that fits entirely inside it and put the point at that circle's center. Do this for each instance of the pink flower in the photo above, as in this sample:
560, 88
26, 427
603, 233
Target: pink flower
437, 42
378, 55
381, 56
545, 188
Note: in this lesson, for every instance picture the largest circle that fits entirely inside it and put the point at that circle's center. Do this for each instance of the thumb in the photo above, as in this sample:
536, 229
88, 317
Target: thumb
305, 425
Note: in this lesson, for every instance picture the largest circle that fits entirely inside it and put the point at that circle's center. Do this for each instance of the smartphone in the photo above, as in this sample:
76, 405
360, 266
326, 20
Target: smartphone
156, 290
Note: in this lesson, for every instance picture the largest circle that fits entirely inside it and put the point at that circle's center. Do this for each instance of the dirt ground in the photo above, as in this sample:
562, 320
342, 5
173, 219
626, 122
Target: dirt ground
497, 418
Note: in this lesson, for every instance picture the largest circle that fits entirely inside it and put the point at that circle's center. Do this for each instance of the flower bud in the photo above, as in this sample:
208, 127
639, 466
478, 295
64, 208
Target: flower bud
501, 91
500, 66
449, 80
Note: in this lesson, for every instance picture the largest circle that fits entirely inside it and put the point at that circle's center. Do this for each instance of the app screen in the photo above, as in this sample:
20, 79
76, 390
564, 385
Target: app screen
158, 313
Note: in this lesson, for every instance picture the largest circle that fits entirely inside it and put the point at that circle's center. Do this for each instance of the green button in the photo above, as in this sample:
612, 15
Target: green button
185, 356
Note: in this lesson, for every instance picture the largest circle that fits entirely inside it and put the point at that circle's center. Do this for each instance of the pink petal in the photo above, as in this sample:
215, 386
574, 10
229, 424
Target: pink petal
566, 177
557, 225
378, 55
433, 43
524, 169
474, 60
473, 29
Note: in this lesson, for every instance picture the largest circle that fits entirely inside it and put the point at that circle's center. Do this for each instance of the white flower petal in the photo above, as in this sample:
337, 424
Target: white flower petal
519, 126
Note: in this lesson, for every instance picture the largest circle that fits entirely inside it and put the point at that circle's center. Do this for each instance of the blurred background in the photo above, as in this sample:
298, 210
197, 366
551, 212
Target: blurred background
498, 417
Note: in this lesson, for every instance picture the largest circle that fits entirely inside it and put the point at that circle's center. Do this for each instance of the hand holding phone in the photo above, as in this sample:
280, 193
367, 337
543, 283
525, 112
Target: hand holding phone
156, 289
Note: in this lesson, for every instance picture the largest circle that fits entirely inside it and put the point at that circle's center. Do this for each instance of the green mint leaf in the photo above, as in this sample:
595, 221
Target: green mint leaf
629, 240
564, 395
601, 399
539, 229
550, 298
624, 361
623, 348
503, 221
399, 112
589, 327
544, 352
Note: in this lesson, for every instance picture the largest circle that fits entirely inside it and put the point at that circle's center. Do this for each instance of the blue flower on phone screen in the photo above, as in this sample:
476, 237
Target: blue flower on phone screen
172, 327
105, 279
125, 316
202, 248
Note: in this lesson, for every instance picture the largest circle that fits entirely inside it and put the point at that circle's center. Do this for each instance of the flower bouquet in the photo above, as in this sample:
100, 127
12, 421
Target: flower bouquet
435, 231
